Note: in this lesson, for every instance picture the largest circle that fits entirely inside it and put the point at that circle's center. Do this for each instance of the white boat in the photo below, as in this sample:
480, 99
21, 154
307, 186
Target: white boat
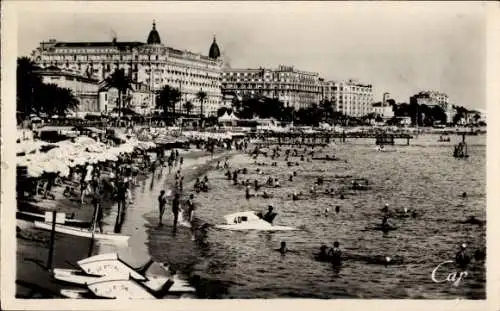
74, 276
249, 220
45, 218
110, 266
126, 289
24, 224
83, 232
119, 289
75, 293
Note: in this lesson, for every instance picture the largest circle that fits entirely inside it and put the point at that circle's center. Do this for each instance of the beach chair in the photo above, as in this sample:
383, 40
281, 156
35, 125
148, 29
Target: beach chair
41, 187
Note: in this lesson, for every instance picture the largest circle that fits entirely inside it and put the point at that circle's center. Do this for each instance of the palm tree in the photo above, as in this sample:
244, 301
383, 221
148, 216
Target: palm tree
236, 104
55, 100
327, 107
188, 106
169, 97
28, 84
201, 96
122, 83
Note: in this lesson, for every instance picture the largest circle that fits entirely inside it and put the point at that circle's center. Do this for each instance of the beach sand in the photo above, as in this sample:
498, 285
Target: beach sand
32, 256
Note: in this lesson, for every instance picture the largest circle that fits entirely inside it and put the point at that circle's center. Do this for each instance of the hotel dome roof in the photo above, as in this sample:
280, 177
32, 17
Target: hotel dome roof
154, 36
214, 50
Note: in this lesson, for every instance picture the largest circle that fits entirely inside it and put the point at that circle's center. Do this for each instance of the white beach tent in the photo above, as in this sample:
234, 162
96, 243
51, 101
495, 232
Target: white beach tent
233, 117
229, 119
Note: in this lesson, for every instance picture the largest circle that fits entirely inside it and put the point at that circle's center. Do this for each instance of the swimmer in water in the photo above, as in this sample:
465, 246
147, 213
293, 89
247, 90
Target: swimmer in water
326, 211
269, 216
385, 209
335, 254
337, 209
464, 194
313, 189
322, 253
283, 249
385, 222
461, 258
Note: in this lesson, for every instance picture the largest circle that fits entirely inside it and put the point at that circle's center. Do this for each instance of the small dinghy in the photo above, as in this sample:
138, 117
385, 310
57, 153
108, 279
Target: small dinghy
249, 220
83, 232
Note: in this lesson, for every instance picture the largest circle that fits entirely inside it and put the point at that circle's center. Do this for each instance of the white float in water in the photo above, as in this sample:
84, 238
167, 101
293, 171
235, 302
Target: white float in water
249, 221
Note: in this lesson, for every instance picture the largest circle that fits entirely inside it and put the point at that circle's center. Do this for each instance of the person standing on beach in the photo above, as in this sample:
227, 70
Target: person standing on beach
181, 184
170, 164
96, 201
162, 201
190, 206
175, 210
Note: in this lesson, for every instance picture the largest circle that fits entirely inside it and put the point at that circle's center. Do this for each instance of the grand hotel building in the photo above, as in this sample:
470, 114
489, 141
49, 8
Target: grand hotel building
295, 88
152, 63
350, 97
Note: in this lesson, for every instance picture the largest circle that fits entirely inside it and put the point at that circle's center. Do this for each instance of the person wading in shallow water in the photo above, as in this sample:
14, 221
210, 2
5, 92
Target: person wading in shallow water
175, 210
162, 201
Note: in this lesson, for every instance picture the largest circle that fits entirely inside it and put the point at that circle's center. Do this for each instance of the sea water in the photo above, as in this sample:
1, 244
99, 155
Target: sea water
423, 176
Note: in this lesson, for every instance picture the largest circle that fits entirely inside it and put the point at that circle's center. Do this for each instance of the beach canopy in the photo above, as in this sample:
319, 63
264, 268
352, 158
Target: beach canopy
225, 118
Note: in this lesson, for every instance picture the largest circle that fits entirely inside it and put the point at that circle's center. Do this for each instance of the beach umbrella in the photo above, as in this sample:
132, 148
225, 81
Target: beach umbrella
34, 170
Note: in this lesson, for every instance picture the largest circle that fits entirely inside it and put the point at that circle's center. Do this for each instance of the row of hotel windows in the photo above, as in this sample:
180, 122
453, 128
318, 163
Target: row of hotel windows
134, 67
269, 86
103, 57
313, 82
158, 80
45, 62
175, 72
267, 74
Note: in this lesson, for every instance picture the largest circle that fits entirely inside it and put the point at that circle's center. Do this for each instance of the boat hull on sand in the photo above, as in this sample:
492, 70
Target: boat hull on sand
76, 277
83, 233
119, 289
41, 217
110, 266
76, 293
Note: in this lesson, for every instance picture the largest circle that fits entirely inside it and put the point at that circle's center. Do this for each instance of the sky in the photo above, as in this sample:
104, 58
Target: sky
400, 48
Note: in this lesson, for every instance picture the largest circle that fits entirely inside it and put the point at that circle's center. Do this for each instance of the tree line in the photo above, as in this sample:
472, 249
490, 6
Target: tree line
36, 97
